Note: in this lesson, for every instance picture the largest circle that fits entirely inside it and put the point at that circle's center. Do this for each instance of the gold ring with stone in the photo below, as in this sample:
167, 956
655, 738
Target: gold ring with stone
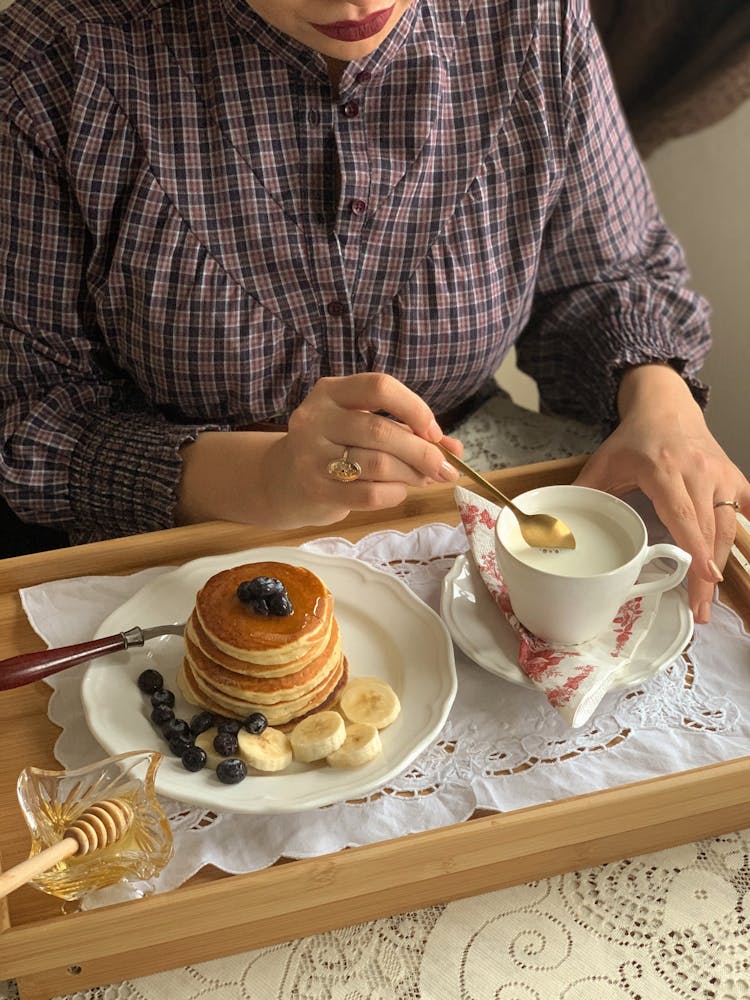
727, 503
344, 469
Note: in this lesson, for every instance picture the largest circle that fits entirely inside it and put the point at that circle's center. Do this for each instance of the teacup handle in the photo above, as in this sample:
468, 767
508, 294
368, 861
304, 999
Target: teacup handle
667, 580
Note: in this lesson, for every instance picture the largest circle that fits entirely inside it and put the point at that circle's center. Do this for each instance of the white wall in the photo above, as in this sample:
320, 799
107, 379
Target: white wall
702, 184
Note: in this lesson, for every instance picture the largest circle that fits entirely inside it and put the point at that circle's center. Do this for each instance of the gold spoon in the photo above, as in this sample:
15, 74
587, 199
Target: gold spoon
542, 531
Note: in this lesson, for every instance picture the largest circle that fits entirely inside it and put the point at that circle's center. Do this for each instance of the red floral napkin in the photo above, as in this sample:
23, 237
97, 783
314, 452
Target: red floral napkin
574, 679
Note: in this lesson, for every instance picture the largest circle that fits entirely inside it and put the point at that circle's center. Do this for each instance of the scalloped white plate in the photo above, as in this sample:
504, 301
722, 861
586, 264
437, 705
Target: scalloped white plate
481, 631
386, 631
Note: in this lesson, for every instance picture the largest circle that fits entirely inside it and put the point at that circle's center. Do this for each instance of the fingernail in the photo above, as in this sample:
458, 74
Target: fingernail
703, 617
448, 473
434, 432
717, 574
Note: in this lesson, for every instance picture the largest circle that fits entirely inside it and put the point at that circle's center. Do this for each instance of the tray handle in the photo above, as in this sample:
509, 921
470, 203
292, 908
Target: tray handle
736, 576
4, 911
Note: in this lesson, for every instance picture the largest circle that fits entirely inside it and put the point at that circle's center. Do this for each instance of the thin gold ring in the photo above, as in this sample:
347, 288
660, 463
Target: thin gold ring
727, 503
344, 469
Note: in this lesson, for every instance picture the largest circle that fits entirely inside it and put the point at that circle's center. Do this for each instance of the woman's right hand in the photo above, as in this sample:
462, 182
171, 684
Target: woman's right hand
281, 480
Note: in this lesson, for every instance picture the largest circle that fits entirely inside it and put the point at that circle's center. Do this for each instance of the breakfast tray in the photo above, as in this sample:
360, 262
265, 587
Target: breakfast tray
50, 952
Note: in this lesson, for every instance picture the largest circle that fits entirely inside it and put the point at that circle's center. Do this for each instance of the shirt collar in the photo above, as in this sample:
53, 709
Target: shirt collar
306, 60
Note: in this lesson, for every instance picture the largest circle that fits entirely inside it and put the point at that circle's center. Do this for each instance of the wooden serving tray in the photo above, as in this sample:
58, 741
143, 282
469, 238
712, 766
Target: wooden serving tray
51, 953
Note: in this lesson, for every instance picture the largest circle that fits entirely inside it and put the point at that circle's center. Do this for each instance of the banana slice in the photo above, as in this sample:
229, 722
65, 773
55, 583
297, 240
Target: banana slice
370, 700
316, 736
361, 745
266, 751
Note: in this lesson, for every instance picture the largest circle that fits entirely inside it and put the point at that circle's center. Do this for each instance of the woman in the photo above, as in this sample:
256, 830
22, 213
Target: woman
321, 225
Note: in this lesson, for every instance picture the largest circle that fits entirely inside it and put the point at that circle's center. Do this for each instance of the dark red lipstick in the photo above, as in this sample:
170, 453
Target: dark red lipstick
355, 31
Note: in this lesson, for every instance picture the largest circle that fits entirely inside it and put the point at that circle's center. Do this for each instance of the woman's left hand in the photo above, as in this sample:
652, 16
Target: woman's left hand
663, 447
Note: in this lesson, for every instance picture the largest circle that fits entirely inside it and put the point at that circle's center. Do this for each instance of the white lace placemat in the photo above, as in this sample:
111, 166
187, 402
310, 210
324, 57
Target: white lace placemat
502, 748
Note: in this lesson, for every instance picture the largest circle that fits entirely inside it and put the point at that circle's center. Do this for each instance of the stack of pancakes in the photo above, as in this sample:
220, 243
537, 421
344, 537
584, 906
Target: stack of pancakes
238, 661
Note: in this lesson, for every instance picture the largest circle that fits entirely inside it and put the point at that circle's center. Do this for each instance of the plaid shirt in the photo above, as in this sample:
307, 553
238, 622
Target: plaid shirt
176, 252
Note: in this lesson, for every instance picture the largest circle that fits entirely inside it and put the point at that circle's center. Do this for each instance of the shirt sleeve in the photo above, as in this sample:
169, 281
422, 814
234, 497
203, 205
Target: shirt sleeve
82, 449
611, 290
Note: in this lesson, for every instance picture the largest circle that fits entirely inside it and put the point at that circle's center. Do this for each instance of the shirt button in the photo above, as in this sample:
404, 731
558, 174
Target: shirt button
351, 109
357, 206
313, 117
363, 77
336, 308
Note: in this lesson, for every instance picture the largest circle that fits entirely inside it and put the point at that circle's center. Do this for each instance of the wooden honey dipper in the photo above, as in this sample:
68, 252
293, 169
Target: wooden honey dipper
101, 825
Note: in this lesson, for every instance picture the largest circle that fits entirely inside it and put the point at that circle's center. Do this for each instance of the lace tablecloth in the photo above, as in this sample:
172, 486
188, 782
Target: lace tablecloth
668, 925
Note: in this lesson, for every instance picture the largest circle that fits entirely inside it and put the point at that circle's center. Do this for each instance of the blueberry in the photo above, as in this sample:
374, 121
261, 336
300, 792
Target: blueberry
200, 722
163, 697
226, 743
229, 725
161, 714
256, 723
177, 727
194, 758
279, 604
150, 680
231, 771
259, 606
259, 586
267, 585
178, 744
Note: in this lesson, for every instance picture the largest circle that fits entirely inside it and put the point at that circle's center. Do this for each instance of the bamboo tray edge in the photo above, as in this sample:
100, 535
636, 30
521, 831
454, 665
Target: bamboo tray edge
65, 954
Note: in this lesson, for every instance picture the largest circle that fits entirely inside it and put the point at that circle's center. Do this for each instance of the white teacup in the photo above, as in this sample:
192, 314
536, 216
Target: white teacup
568, 596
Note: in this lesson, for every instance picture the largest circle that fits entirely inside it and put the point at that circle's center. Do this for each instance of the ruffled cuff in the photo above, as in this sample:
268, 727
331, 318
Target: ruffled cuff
124, 474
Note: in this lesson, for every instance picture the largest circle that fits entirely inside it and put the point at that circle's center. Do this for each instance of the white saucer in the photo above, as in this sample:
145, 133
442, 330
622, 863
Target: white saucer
481, 631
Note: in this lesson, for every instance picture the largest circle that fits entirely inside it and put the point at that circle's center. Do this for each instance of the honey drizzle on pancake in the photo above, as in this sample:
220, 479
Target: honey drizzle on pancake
237, 629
